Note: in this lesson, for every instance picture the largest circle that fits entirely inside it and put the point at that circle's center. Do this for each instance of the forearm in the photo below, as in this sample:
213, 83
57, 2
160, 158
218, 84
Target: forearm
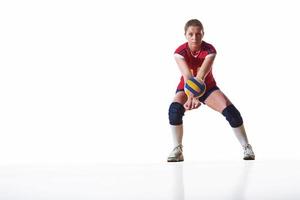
186, 74
184, 69
205, 67
202, 73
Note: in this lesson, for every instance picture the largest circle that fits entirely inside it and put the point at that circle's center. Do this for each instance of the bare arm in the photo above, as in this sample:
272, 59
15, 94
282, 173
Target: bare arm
183, 67
191, 103
206, 67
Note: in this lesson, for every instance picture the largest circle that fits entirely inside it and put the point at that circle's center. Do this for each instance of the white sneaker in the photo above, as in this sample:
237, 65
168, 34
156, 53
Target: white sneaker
248, 152
176, 155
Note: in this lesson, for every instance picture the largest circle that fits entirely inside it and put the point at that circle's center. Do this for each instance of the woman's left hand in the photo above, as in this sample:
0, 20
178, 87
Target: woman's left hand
195, 103
192, 103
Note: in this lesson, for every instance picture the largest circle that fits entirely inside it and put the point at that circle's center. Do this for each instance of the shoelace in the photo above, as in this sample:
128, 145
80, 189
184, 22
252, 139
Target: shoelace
179, 147
248, 150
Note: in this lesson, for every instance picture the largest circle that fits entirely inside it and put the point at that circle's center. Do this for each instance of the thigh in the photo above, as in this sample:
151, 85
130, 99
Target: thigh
180, 97
217, 100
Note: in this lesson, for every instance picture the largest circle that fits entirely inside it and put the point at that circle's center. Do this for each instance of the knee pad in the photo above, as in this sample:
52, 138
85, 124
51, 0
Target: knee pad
176, 112
233, 116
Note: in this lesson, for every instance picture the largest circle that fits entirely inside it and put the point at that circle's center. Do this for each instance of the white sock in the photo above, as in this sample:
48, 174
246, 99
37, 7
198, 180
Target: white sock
177, 133
241, 135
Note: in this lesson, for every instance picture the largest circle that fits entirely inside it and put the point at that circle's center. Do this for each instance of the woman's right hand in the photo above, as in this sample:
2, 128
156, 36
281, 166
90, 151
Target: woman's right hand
192, 103
188, 103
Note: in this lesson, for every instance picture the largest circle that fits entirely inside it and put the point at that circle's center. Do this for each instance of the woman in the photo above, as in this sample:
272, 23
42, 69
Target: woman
194, 59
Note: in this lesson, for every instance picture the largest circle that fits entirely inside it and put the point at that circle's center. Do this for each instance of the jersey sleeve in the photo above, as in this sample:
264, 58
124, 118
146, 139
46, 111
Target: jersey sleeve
176, 55
210, 49
181, 52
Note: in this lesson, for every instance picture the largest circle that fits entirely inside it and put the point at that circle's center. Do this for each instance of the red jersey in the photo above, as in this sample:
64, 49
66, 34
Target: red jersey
194, 62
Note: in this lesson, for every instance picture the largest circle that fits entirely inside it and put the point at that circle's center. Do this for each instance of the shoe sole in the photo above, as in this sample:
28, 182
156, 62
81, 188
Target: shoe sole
172, 159
175, 160
249, 158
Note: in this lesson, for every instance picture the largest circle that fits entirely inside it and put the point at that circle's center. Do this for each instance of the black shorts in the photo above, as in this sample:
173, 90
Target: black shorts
206, 94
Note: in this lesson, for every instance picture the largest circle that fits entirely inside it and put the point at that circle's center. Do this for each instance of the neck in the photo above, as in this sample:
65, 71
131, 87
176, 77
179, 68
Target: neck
194, 48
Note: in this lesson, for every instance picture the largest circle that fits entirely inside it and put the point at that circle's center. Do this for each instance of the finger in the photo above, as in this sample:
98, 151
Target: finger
197, 104
186, 106
189, 105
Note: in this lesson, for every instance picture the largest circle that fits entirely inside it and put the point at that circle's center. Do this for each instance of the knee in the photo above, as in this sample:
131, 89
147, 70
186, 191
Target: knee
176, 112
233, 116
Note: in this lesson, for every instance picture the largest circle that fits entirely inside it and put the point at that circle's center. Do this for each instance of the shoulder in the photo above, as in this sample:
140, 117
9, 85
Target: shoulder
209, 48
182, 49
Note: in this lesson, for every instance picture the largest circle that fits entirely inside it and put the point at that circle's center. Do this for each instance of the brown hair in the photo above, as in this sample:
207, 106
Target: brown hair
193, 22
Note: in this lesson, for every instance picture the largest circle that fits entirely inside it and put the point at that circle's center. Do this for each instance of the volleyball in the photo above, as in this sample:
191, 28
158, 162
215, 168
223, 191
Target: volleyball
194, 86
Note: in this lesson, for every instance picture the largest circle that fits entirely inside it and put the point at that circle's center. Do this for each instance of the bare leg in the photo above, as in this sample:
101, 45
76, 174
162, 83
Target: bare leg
218, 101
180, 97
177, 130
176, 112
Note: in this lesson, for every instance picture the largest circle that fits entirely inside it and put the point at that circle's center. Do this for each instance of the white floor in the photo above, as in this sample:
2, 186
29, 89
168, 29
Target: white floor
239, 180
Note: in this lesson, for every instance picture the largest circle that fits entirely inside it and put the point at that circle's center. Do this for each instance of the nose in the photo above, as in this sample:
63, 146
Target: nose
194, 37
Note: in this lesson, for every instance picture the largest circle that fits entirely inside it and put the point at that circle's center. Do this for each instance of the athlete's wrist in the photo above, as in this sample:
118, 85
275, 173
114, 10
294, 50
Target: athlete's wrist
199, 78
188, 77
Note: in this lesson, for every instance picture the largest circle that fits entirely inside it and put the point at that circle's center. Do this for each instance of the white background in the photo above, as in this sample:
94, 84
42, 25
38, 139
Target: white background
91, 81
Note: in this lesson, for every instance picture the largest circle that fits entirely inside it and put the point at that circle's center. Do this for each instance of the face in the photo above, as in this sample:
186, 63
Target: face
194, 35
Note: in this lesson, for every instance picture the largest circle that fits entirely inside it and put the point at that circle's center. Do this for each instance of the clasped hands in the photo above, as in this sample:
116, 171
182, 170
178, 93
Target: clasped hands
192, 103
